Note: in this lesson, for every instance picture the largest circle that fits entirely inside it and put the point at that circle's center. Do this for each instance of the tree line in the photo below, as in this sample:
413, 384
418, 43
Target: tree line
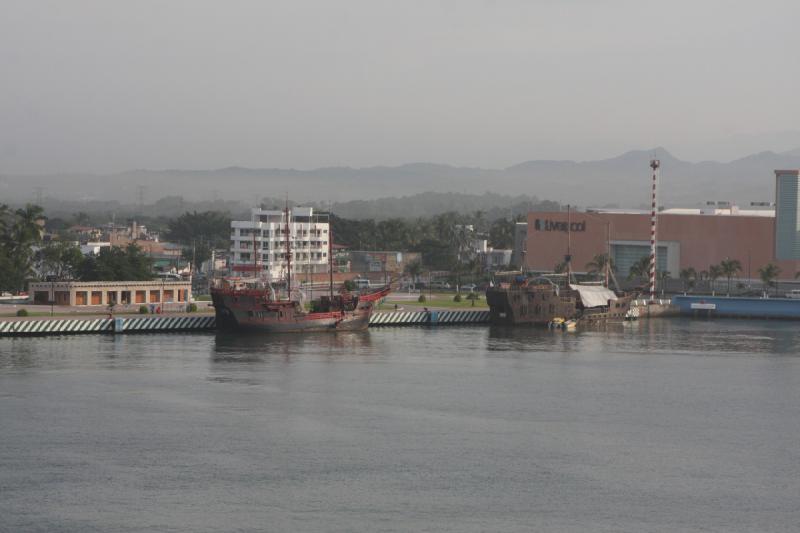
443, 240
727, 269
24, 256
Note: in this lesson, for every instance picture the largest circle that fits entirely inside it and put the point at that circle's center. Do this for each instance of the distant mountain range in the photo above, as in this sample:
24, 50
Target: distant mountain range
620, 181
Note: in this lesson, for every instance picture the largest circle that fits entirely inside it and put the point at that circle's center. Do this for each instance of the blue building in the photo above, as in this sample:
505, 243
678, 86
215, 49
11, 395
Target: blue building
787, 214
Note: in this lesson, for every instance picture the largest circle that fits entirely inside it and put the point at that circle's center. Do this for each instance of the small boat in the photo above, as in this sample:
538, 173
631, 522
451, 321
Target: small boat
563, 324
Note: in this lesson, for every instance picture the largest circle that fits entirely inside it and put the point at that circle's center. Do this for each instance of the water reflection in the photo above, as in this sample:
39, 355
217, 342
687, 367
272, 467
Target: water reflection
701, 337
238, 347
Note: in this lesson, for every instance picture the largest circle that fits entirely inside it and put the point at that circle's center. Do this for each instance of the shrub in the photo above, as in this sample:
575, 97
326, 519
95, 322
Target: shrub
22, 312
457, 297
191, 308
422, 298
142, 309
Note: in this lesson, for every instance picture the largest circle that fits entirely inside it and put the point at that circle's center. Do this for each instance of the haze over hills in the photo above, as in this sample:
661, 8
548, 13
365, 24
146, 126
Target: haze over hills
622, 181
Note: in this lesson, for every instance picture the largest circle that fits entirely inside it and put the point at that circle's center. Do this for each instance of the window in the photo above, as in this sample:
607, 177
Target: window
625, 255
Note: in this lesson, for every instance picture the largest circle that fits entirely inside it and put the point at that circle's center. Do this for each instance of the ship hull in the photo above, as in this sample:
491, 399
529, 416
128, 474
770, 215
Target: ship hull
539, 306
528, 306
241, 314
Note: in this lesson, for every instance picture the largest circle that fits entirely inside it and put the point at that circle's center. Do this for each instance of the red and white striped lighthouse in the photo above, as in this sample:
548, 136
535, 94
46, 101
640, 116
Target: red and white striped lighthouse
654, 164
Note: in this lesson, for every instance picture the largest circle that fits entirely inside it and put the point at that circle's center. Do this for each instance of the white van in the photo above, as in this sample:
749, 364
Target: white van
795, 294
361, 283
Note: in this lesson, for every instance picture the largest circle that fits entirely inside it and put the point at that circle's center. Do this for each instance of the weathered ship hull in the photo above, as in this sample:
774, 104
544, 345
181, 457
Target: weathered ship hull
253, 312
345, 322
539, 306
528, 306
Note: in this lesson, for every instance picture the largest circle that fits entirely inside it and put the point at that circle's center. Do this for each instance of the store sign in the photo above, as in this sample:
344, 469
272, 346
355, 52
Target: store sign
553, 225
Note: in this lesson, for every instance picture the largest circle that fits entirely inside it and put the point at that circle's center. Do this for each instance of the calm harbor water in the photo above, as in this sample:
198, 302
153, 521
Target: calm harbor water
666, 425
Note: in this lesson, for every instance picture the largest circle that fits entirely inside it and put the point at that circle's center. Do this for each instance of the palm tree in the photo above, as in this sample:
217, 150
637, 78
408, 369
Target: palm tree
640, 269
27, 229
663, 276
20, 231
714, 273
413, 269
599, 263
688, 275
4, 214
768, 274
729, 268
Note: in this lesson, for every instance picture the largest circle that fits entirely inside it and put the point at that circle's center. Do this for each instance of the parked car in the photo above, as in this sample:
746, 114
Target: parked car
793, 294
469, 287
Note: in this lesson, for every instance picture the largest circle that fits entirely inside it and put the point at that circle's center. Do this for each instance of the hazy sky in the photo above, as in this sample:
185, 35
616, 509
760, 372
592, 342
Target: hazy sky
112, 85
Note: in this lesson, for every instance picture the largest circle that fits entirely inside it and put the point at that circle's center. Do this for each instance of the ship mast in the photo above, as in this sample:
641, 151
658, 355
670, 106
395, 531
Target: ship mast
608, 251
330, 254
255, 252
288, 255
568, 257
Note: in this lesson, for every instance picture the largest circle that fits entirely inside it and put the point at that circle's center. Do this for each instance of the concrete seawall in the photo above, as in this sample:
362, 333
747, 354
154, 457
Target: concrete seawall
56, 326
429, 318
14, 327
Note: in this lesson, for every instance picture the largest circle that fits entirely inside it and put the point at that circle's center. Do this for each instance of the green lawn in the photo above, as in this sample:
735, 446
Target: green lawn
442, 300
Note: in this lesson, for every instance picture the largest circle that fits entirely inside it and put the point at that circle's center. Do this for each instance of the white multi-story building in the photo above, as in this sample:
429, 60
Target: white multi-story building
260, 243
